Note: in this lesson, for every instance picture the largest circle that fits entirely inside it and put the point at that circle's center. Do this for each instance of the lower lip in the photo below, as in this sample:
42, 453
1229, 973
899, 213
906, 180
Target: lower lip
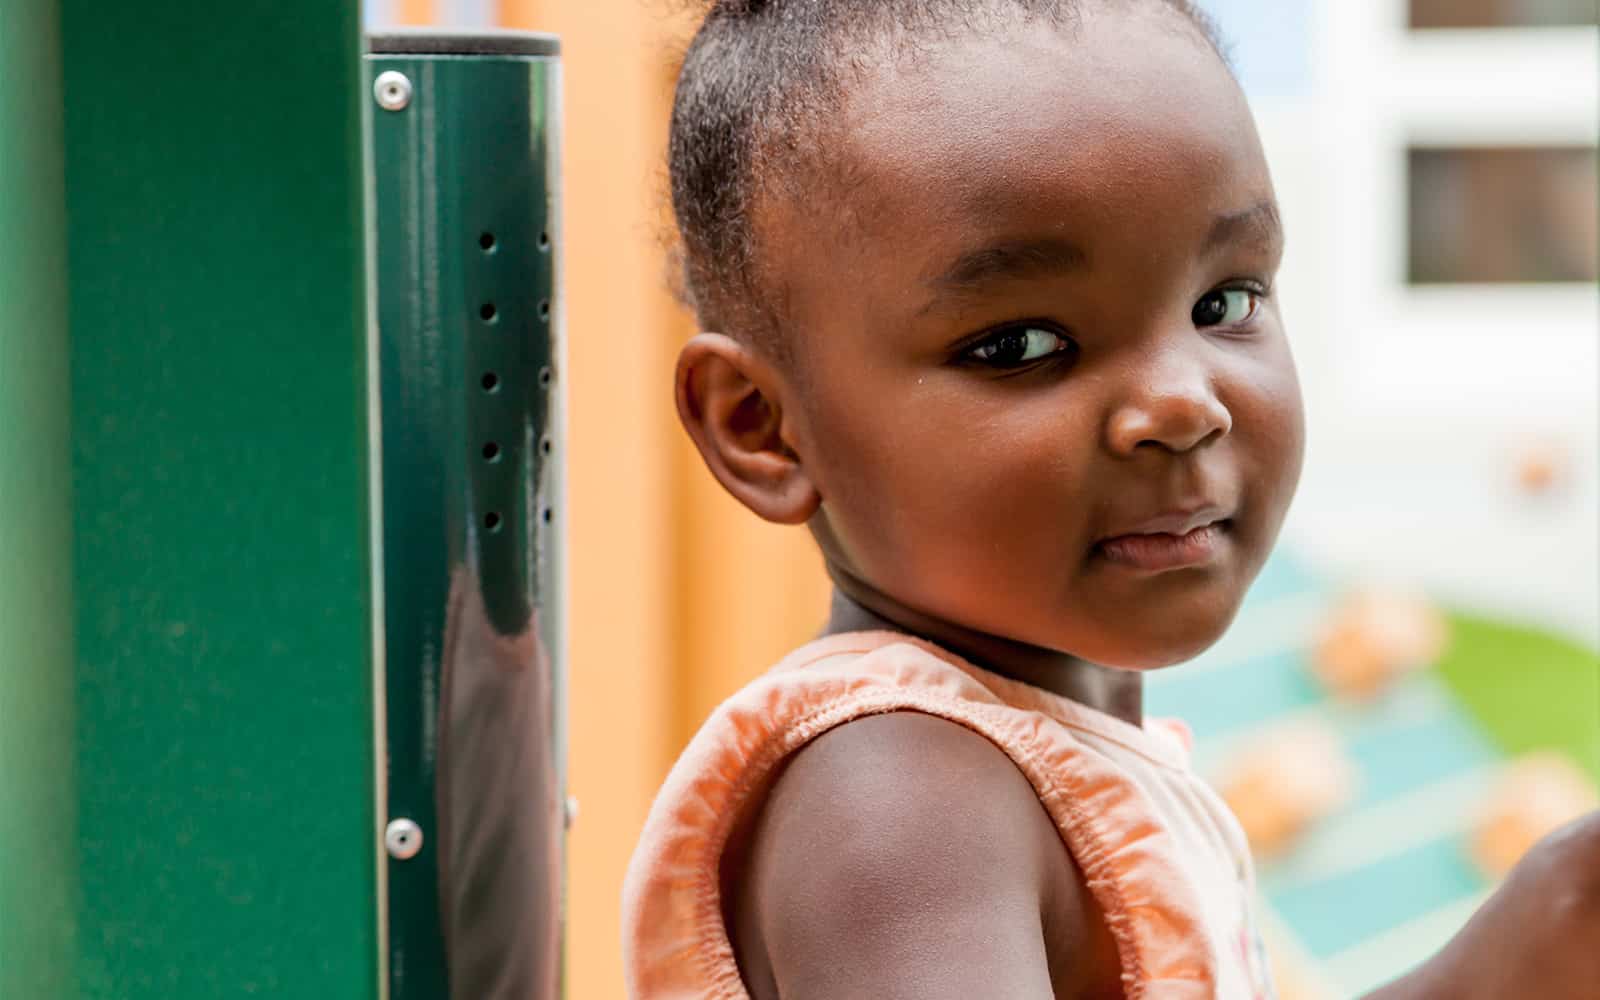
1154, 553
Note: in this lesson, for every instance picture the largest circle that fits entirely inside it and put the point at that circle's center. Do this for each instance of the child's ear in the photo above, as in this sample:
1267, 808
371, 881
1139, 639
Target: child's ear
728, 402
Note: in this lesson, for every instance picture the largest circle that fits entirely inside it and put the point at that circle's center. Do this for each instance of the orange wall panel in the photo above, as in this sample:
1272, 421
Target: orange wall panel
678, 594
416, 12
619, 473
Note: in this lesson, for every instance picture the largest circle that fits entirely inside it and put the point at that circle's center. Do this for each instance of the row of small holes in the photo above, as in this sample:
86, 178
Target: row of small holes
488, 312
491, 450
491, 520
491, 381
488, 243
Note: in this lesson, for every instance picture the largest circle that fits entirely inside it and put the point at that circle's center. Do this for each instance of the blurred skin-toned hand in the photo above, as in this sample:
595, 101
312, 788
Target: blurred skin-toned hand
1538, 936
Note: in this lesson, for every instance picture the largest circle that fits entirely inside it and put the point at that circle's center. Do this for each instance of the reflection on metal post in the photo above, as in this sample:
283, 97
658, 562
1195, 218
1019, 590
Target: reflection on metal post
463, 132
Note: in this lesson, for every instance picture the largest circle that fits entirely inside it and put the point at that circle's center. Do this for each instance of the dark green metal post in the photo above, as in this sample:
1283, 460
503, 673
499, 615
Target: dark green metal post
463, 159
228, 838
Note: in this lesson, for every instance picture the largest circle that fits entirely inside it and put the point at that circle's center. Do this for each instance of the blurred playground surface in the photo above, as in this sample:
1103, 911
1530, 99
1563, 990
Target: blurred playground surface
1381, 882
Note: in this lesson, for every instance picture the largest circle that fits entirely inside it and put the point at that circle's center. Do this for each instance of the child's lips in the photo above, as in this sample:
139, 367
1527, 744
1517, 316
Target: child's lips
1160, 550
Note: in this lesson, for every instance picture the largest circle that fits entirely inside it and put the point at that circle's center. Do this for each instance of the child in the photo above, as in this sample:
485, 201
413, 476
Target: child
993, 290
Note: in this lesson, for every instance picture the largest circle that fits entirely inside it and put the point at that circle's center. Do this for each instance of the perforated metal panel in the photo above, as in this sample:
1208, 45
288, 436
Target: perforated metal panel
463, 156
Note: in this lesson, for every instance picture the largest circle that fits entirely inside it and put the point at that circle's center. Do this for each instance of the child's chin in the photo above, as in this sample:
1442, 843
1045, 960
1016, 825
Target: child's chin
1172, 647
1161, 660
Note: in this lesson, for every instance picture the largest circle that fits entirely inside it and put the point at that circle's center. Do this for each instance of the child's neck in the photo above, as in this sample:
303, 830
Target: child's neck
1119, 693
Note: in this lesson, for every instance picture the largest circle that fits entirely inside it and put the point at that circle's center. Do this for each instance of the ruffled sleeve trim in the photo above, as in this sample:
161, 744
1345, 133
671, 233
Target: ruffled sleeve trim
674, 940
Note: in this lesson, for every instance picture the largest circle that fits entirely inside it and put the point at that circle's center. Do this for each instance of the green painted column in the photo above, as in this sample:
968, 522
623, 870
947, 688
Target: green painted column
37, 857
222, 547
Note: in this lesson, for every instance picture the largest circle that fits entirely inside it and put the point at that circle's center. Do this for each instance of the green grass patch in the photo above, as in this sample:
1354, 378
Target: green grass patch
1529, 689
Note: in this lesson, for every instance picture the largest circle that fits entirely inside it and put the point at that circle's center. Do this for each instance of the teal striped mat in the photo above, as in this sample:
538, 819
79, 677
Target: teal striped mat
1382, 884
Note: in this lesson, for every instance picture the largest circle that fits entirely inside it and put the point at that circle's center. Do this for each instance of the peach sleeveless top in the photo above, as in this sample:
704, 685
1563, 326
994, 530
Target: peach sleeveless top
1163, 856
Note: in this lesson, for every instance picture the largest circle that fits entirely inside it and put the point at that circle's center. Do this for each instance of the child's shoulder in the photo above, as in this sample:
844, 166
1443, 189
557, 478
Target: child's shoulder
899, 835
909, 772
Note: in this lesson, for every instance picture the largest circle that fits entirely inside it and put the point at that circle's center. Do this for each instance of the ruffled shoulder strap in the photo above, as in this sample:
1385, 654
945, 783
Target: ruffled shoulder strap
675, 945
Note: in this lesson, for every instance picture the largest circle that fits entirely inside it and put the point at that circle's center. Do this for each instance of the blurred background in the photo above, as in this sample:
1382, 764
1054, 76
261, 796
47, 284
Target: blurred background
1431, 617
1408, 699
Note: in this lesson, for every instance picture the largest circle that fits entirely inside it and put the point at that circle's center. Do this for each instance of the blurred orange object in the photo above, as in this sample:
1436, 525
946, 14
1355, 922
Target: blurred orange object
1373, 637
1292, 982
1538, 793
1540, 466
1287, 781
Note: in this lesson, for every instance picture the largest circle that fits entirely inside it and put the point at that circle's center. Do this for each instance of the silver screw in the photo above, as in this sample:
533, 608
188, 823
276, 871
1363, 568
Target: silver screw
403, 839
393, 90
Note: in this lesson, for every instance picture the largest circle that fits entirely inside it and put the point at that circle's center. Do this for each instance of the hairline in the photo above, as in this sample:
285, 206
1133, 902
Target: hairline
757, 314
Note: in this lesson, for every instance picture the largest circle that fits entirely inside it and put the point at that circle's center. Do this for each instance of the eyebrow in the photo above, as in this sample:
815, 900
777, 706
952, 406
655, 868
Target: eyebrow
1008, 260
1018, 259
1258, 224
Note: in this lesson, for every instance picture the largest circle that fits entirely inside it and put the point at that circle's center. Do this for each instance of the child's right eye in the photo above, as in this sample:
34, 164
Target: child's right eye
1017, 346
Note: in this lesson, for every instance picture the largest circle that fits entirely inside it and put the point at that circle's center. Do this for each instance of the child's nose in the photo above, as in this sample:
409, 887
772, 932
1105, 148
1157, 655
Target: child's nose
1174, 406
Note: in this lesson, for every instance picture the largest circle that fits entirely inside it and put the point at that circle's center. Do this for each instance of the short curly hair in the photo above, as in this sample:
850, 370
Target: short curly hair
756, 76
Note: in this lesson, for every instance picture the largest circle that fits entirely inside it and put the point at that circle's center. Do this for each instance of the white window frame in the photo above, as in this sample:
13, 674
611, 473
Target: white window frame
1386, 89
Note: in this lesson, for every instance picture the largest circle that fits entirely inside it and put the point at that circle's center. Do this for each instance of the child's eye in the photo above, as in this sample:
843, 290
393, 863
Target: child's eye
1226, 307
1018, 346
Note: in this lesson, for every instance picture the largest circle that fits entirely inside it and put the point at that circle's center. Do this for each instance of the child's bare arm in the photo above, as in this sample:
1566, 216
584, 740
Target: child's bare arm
904, 856
1538, 936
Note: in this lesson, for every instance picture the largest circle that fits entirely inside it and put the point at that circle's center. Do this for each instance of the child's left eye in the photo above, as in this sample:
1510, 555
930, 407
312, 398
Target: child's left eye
1018, 346
1225, 307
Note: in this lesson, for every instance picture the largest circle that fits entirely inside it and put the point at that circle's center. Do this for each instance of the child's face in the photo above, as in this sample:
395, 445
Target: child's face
1026, 318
